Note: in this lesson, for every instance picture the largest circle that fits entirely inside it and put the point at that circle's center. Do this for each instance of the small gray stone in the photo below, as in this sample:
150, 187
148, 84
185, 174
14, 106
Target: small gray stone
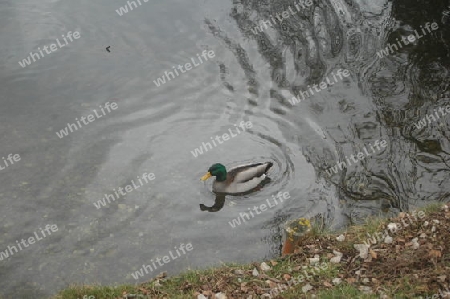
255, 272
340, 238
220, 296
307, 288
265, 267
363, 250
336, 281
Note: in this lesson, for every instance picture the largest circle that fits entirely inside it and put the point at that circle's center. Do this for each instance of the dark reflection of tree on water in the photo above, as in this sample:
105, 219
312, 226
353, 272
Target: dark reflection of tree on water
425, 68
392, 92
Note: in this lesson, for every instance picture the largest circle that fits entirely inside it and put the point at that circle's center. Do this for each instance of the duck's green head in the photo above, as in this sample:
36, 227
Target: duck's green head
217, 170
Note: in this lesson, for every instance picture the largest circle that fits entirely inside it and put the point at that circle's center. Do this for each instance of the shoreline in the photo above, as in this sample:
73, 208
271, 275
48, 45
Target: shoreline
421, 262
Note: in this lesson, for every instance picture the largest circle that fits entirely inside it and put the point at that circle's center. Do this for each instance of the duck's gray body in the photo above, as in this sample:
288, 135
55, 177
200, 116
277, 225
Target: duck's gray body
243, 178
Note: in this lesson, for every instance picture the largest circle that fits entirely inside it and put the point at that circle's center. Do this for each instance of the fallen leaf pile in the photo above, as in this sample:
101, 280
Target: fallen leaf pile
419, 253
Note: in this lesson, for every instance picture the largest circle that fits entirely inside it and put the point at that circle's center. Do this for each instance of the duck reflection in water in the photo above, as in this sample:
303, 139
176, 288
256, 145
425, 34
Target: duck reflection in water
218, 204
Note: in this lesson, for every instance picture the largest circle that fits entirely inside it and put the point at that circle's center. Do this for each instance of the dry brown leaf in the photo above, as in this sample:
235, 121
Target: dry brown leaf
259, 290
350, 280
273, 263
327, 284
146, 291
271, 284
286, 276
208, 294
244, 287
373, 254
435, 253
205, 287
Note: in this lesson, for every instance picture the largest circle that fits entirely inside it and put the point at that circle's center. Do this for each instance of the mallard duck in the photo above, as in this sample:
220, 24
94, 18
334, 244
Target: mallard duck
240, 179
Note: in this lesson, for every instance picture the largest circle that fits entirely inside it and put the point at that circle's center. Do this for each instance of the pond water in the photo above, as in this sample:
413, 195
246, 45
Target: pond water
237, 73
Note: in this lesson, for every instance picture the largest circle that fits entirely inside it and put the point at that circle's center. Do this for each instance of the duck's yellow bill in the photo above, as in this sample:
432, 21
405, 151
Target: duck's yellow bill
206, 176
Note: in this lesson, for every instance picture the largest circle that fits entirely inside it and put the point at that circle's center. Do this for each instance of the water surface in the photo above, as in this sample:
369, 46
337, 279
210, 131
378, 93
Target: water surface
251, 78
